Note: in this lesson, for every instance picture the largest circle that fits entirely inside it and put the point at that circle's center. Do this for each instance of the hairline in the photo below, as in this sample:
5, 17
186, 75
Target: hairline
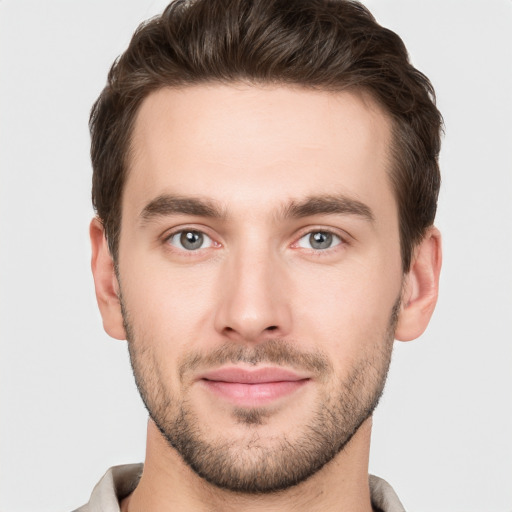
362, 91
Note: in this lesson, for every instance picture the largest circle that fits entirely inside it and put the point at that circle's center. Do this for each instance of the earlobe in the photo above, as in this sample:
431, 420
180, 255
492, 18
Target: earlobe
421, 288
105, 282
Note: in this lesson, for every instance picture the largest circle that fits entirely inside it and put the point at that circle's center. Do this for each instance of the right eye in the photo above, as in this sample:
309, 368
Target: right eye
190, 240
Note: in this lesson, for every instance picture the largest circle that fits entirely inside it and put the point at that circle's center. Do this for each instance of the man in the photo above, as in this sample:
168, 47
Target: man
265, 179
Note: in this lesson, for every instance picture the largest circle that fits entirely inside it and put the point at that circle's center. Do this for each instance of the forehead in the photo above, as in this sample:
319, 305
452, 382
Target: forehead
239, 144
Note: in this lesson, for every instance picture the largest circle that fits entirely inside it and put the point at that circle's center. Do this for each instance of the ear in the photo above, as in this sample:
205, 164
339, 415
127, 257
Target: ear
105, 282
421, 287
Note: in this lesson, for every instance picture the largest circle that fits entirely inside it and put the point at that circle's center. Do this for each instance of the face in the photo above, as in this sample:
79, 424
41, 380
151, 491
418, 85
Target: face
260, 275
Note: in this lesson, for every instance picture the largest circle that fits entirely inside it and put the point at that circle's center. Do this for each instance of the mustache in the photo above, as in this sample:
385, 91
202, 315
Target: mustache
274, 351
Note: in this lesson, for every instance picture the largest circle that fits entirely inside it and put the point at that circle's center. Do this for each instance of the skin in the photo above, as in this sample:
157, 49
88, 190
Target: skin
252, 152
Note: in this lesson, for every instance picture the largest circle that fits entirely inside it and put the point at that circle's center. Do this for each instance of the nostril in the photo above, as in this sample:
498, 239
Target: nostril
271, 328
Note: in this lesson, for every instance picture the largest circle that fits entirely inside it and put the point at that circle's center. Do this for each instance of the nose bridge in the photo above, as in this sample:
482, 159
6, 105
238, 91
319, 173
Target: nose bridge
253, 303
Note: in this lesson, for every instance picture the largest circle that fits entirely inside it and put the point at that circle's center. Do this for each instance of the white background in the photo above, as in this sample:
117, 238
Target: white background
69, 408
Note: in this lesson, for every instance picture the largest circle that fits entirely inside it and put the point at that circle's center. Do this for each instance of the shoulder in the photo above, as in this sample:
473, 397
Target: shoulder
383, 496
117, 483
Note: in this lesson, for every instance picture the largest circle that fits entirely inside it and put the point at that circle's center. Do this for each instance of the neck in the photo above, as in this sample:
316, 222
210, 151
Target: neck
167, 483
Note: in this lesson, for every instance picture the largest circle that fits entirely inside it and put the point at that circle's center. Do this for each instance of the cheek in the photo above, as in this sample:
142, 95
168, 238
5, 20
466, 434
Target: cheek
348, 308
168, 306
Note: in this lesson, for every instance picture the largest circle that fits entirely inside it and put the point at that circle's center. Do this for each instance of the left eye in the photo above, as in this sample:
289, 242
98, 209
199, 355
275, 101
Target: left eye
190, 240
319, 240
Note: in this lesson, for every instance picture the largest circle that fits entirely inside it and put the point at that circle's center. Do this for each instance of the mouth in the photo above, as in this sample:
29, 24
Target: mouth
253, 387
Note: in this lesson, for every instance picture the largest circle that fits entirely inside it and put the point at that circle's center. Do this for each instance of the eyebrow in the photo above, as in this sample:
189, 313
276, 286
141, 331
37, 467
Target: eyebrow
166, 205
328, 205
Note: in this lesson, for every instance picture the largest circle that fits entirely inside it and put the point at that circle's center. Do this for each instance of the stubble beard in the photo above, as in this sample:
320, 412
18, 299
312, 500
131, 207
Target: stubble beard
251, 464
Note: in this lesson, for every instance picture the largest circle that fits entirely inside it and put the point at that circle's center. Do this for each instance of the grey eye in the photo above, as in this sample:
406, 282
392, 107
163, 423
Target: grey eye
319, 240
190, 240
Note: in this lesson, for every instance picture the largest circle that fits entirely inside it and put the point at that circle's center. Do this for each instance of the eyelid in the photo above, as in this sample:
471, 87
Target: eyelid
342, 235
167, 235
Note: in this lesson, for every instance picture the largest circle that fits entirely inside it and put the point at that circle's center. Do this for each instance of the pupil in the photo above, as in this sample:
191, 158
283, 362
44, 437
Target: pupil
320, 240
191, 240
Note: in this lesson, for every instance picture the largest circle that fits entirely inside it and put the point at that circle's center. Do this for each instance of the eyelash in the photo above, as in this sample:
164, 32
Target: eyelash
169, 236
319, 252
342, 241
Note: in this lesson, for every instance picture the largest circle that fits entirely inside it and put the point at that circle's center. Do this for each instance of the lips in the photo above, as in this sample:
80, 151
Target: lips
253, 387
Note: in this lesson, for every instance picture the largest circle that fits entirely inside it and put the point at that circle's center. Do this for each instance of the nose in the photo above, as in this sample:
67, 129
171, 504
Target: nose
252, 303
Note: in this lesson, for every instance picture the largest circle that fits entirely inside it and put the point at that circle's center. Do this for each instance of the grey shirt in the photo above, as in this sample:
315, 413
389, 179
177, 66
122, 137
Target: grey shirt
119, 481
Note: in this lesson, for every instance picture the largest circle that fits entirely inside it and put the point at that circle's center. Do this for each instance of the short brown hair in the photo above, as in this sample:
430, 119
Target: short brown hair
330, 45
